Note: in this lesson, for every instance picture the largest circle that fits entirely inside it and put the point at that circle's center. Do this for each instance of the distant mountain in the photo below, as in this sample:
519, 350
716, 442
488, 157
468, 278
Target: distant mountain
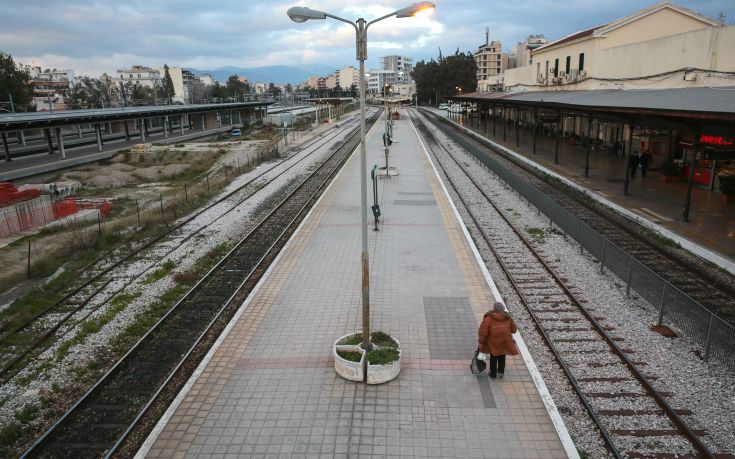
270, 74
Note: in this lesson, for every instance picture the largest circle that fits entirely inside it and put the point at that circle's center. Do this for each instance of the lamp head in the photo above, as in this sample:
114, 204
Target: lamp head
303, 14
420, 9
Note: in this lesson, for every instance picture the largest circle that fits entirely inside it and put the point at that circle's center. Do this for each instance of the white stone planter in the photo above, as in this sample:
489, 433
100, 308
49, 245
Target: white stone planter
378, 374
353, 371
347, 368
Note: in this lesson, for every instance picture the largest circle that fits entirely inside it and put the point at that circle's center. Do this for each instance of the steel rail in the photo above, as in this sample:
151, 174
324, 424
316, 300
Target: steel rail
635, 371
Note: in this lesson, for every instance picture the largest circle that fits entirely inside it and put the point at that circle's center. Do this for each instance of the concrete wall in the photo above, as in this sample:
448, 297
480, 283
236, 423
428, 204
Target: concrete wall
520, 76
662, 23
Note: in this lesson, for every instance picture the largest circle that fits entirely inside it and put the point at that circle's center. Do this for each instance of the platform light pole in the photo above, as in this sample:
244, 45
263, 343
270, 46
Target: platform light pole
303, 14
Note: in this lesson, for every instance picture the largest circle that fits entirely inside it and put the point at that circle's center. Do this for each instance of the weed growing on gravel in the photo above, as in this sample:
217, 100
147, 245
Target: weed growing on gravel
14, 430
9, 435
160, 273
538, 234
95, 324
184, 281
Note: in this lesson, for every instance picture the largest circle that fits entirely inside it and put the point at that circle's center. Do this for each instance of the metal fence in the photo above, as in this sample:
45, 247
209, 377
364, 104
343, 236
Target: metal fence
715, 336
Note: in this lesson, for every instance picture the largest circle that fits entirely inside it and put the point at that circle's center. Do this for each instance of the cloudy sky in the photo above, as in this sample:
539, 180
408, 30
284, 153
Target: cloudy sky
92, 37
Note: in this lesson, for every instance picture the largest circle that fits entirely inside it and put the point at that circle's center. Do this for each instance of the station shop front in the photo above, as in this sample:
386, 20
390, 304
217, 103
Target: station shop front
715, 157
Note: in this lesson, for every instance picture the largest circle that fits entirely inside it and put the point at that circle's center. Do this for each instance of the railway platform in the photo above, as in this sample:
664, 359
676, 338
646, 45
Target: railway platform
268, 386
710, 232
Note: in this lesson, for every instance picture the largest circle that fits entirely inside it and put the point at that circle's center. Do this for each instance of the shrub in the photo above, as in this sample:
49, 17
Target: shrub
383, 339
727, 183
353, 340
383, 356
352, 356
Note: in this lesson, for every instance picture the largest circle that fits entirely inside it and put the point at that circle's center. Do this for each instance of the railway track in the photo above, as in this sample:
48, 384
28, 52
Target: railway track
102, 419
631, 413
33, 336
717, 294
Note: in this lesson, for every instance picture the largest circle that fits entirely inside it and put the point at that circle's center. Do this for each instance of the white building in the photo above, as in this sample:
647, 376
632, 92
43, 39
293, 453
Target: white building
402, 65
207, 79
378, 79
141, 75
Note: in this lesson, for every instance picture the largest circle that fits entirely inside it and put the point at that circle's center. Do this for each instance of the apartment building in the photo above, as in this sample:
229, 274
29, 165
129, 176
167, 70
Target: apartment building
330, 82
661, 46
141, 75
207, 79
378, 79
347, 76
402, 65
522, 51
491, 63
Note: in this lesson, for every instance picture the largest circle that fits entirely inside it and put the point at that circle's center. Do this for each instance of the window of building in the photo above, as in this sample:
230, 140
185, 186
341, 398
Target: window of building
546, 72
538, 68
556, 67
569, 65
581, 61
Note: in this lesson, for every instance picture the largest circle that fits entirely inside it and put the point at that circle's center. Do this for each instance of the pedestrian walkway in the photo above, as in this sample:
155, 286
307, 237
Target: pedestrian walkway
269, 386
711, 222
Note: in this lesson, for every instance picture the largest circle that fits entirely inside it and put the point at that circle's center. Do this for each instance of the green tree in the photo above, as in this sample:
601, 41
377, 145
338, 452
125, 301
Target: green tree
90, 93
273, 90
440, 78
168, 83
139, 95
15, 83
235, 88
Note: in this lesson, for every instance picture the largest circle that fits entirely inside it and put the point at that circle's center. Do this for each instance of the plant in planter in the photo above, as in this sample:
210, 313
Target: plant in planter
382, 362
671, 171
727, 186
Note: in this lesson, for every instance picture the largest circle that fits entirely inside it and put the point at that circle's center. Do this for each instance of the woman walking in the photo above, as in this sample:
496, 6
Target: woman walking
495, 338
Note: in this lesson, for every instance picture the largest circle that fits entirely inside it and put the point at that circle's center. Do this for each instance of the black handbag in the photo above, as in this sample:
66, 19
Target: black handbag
477, 366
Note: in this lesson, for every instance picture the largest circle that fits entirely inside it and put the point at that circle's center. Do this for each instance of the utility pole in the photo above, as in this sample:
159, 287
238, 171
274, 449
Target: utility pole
50, 107
12, 105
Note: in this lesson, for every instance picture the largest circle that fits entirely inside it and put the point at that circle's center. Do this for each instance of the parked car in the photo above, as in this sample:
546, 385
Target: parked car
235, 132
444, 106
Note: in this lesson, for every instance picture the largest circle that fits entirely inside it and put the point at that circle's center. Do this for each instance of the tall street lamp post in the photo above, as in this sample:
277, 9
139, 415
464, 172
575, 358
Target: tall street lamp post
303, 14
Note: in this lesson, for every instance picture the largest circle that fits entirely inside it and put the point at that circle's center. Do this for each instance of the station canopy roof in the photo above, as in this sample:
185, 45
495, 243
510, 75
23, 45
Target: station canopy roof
36, 120
705, 103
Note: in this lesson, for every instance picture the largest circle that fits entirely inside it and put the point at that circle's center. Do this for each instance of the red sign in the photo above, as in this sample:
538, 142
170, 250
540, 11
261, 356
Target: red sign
714, 140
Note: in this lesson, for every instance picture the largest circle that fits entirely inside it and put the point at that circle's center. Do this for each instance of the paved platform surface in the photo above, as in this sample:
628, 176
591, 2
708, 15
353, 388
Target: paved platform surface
269, 387
711, 222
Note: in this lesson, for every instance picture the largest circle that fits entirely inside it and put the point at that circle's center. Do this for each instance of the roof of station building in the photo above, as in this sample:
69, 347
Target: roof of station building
36, 120
702, 102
